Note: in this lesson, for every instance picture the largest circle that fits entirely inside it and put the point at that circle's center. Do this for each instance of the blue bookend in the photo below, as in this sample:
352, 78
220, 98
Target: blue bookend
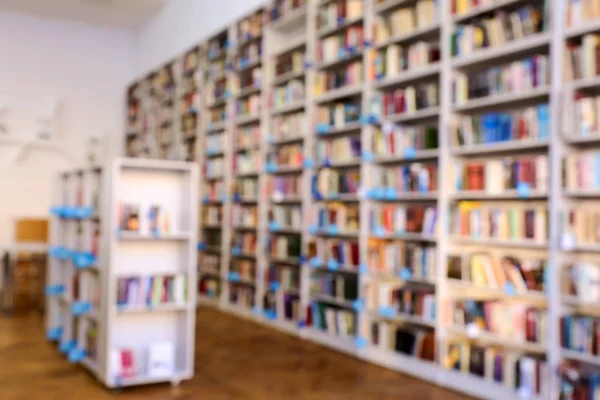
313, 229
270, 167
308, 65
273, 226
201, 246
410, 153
274, 286
233, 276
390, 193
379, 193
84, 260
333, 265
256, 311
308, 163
509, 289
316, 262
387, 311
54, 334
405, 274
300, 324
523, 190
323, 128
271, 315
367, 156
54, 290
66, 346
236, 251
333, 230
378, 231
363, 269
360, 342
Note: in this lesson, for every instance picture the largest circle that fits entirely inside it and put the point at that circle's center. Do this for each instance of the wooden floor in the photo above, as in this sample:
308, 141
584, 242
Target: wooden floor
235, 360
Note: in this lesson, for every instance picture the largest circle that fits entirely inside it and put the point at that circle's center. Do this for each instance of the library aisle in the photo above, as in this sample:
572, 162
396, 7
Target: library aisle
235, 359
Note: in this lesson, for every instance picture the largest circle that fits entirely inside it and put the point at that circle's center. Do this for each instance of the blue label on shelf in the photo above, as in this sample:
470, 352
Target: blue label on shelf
233, 276
308, 64
210, 151
237, 198
274, 286
81, 307
56, 211
76, 355
206, 200
387, 311
223, 197
81, 212
313, 229
236, 251
201, 246
271, 315
367, 44
256, 311
270, 167
358, 305
378, 231
323, 128
367, 156
273, 226
316, 262
360, 342
339, 21
66, 346
244, 62
379, 193
59, 252
410, 153
523, 190
308, 163
54, 333
333, 265
302, 259
399, 233
53, 290
390, 193
84, 260
363, 269
351, 50
333, 230
363, 119
405, 274
300, 324
509, 289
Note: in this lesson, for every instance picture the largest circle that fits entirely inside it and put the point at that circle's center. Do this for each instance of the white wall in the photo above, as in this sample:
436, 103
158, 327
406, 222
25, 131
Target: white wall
87, 68
184, 23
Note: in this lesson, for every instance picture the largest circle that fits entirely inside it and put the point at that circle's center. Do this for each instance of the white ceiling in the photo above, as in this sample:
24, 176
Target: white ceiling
118, 13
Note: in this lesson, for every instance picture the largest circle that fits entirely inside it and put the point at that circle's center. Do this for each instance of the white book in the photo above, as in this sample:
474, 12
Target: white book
161, 359
179, 289
133, 292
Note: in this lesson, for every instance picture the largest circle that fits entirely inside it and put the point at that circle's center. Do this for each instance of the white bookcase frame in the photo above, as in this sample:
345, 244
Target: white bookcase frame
174, 184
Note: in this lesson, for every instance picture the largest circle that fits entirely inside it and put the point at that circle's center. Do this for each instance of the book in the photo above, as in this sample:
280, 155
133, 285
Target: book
405, 20
291, 92
395, 58
324, 317
286, 216
399, 140
161, 359
151, 290
334, 182
288, 126
407, 178
346, 76
339, 114
244, 216
341, 149
398, 219
408, 99
341, 45
290, 156
397, 258
282, 187
284, 246
344, 216
281, 8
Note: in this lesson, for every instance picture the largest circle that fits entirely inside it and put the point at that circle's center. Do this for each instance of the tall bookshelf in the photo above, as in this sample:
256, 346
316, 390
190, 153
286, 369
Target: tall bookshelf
432, 149
121, 285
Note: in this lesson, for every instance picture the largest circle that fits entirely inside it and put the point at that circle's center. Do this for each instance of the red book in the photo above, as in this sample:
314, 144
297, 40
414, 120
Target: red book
128, 368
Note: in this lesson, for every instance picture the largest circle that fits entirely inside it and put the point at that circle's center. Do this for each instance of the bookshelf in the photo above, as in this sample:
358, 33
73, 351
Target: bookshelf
122, 276
379, 141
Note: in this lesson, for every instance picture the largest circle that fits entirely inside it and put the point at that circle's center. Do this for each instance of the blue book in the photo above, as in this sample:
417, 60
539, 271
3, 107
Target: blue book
490, 125
316, 316
597, 168
543, 123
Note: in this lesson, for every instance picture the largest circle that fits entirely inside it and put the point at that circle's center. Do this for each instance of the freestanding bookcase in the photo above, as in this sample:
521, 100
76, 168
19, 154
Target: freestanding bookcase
121, 295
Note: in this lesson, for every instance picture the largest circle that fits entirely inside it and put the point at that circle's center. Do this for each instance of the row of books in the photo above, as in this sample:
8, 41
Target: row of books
289, 155
213, 215
151, 290
248, 106
283, 305
290, 62
288, 126
389, 299
241, 296
395, 59
577, 382
209, 286
415, 342
582, 11
415, 177
246, 188
210, 263
287, 277
496, 127
247, 136
349, 75
582, 224
281, 8
500, 175
339, 114
409, 260
157, 219
500, 222
482, 269
246, 269
406, 20
511, 321
214, 143
580, 333
332, 320
247, 162
581, 59
408, 100
213, 190
284, 246
515, 77
399, 219
216, 69
156, 360
341, 45
245, 241
512, 369
393, 140
215, 92
249, 55
344, 216
291, 92
337, 286
332, 182
244, 215
583, 281
345, 252
214, 167
330, 15
217, 114
283, 187
251, 26
286, 217
339, 149
497, 30
581, 170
